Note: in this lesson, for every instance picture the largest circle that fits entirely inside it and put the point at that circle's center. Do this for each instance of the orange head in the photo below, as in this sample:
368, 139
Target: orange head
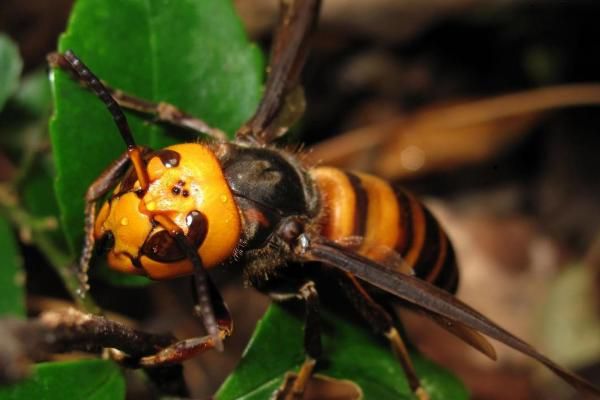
186, 184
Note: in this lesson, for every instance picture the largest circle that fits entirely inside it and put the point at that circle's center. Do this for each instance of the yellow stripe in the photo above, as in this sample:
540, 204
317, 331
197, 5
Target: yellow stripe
382, 229
339, 202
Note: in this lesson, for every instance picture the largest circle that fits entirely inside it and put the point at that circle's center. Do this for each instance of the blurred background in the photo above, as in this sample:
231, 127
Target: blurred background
458, 101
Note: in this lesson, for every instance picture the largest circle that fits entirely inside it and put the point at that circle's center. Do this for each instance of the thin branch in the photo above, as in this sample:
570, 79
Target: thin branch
28, 341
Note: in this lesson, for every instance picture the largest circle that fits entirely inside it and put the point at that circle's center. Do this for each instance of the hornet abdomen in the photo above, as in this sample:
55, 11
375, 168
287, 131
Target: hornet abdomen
383, 223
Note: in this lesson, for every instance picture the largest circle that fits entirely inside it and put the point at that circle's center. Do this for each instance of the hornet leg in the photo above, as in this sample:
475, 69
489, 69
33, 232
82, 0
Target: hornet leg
382, 322
312, 338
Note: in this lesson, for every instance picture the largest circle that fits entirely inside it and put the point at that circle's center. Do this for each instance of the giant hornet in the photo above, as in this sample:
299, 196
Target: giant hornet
187, 208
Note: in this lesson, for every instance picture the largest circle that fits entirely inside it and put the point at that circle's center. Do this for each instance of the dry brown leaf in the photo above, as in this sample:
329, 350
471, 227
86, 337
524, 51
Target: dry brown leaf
449, 136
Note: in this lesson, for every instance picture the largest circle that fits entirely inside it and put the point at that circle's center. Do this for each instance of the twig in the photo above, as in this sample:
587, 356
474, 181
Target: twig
27, 341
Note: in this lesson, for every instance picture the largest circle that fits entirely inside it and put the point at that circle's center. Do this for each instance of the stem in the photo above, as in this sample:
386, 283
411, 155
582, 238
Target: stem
68, 330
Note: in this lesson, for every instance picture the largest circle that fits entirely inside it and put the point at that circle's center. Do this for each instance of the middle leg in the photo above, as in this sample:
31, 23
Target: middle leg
312, 335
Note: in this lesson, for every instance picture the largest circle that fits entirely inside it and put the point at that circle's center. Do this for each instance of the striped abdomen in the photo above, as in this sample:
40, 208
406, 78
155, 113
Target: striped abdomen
390, 221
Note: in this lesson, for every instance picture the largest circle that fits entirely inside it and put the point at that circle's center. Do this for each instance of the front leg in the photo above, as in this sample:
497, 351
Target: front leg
102, 185
185, 349
207, 307
312, 336
382, 323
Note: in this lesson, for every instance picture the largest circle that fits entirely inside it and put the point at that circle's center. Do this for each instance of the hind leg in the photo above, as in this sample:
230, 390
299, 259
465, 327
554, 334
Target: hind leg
382, 322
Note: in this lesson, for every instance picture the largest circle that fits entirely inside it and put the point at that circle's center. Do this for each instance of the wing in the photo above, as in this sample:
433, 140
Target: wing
283, 100
468, 335
427, 297
390, 259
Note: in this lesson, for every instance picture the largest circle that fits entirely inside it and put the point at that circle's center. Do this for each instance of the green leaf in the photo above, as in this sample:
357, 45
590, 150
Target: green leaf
12, 275
350, 352
86, 379
34, 94
10, 68
191, 53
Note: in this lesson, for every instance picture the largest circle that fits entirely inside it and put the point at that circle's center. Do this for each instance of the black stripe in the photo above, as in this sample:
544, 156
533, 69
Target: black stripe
362, 204
430, 251
447, 279
405, 223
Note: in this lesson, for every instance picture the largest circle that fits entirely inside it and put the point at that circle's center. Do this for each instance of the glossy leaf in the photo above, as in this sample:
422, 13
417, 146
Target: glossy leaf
193, 54
10, 68
12, 275
350, 352
86, 379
